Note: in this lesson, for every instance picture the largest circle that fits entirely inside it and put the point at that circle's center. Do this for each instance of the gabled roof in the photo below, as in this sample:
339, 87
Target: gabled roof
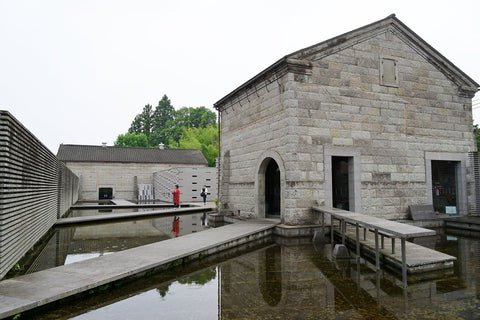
297, 59
84, 153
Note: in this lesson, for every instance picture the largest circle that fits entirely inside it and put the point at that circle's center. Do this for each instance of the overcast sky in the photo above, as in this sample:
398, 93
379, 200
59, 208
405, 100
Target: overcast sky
78, 71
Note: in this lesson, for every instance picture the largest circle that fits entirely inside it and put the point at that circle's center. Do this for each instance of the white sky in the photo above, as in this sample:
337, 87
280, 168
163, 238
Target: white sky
78, 71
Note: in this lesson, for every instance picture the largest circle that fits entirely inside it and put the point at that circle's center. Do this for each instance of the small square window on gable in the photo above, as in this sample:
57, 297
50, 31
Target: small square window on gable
388, 72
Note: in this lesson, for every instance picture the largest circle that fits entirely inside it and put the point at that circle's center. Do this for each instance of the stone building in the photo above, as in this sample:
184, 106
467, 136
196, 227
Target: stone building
372, 121
116, 172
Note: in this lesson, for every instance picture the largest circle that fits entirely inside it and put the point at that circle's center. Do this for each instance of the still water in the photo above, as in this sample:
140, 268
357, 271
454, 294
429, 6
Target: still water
72, 244
293, 279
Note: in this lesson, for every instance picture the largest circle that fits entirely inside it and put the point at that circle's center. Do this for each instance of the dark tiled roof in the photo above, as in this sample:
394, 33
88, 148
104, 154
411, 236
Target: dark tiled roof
82, 153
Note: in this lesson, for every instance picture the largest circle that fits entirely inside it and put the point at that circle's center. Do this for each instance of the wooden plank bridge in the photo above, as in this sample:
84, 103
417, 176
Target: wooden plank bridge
418, 257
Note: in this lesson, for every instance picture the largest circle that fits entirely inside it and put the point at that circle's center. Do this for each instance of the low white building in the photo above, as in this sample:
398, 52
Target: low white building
115, 172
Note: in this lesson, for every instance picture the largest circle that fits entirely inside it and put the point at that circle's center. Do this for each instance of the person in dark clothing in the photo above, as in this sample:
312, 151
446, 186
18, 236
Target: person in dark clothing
204, 194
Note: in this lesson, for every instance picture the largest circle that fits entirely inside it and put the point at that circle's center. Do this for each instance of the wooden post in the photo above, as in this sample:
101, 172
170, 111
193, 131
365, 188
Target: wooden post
404, 263
323, 225
331, 229
357, 234
377, 251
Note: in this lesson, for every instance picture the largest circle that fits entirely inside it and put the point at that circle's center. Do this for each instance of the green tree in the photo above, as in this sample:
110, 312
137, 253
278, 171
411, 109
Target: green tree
172, 128
200, 117
203, 117
205, 139
182, 117
164, 121
136, 126
132, 140
476, 132
143, 123
200, 278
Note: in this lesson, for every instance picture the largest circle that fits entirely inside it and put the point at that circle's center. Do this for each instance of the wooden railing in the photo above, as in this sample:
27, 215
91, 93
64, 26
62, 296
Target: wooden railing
380, 227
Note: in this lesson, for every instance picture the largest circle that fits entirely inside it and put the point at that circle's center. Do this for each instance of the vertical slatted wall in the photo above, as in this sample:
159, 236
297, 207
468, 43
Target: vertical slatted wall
35, 189
475, 165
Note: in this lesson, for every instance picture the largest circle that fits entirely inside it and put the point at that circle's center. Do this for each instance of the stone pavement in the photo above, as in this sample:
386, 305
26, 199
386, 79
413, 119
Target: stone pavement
27, 292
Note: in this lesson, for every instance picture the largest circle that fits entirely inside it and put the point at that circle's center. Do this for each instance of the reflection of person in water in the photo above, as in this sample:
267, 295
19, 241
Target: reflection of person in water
176, 226
204, 219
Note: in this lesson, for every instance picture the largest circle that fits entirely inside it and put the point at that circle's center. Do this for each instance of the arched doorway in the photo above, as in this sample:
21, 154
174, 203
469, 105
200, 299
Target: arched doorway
272, 189
270, 186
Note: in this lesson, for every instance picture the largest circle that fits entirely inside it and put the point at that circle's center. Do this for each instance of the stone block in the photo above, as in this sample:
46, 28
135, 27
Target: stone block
421, 212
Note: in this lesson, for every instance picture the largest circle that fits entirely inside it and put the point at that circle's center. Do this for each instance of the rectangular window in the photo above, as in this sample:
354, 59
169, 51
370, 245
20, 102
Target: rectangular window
340, 182
388, 72
446, 175
444, 186
343, 178
105, 193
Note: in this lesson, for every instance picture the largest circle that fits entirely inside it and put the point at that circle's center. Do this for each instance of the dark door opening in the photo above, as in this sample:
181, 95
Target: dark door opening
105, 193
272, 189
444, 186
340, 183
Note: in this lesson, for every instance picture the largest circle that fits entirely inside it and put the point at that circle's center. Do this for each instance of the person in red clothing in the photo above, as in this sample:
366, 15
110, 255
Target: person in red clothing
176, 226
176, 197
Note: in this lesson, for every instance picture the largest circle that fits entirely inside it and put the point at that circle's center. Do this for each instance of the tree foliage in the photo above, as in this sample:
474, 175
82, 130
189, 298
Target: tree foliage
192, 128
476, 132
200, 278
164, 120
142, 124
204, 139
196, 117
132, 140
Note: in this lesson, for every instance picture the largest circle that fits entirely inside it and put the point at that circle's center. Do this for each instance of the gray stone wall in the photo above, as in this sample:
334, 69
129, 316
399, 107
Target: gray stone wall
36, 189
338, 107
254, 122
392, 127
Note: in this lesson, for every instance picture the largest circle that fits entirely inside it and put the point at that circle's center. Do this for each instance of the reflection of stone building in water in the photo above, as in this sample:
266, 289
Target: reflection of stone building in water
267, 283
371, 121
297, 282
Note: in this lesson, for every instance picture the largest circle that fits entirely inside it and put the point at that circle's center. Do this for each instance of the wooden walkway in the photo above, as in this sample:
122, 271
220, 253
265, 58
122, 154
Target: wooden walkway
374, 232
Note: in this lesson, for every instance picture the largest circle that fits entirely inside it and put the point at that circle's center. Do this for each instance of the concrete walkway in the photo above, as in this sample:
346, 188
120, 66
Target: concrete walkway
188, 208
122, 202
27, 292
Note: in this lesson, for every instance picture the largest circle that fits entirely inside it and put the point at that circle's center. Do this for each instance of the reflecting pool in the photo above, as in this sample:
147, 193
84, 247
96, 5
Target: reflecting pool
292, 279
66, 245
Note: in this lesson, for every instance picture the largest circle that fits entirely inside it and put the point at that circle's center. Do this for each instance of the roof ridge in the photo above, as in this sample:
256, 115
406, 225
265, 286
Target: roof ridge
94, 153
464, 82
126, 147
